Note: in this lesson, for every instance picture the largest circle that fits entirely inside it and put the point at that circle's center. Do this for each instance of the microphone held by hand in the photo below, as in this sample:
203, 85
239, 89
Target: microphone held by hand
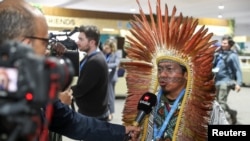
145, 105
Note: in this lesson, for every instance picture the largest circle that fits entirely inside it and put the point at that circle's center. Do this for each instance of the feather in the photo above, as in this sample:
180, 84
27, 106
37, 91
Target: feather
175, 38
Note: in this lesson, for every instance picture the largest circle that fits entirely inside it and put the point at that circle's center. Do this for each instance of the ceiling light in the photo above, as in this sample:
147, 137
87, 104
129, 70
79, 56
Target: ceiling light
221, 6
132, 10
220, 16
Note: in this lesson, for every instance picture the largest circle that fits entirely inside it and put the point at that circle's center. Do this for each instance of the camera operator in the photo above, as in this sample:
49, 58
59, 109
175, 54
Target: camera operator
21, 22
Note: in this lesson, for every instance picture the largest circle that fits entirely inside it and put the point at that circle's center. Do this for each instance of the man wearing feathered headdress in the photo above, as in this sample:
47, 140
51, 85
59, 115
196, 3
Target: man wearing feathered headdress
169, 58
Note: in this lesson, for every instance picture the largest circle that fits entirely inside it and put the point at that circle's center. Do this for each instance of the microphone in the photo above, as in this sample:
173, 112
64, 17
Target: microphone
145, 105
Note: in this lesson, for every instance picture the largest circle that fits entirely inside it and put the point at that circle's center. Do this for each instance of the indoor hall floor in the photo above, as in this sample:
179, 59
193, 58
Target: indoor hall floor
238, 101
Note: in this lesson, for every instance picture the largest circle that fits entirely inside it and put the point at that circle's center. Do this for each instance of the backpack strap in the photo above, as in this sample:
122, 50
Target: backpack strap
231, 71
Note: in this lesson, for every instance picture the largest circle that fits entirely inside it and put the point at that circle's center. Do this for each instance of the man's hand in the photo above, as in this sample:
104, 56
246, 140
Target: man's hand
66, 96
237, 88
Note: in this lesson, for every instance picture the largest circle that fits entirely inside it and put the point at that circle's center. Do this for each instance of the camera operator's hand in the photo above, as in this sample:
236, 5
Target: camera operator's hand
59, 48
66, 96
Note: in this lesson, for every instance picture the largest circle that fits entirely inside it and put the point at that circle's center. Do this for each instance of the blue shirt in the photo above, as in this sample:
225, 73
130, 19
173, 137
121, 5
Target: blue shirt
228, 67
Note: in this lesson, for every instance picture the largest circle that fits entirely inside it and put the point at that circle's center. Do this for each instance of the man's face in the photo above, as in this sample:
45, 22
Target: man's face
40, 45
171, 77
225, 45
84, 43
39, 41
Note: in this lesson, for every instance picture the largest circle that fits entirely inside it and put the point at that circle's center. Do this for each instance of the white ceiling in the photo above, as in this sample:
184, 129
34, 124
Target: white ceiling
233, 9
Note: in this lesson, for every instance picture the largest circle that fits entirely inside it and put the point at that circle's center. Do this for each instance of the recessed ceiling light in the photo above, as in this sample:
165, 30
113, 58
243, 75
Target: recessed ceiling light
132, 10
220, 16
221, 6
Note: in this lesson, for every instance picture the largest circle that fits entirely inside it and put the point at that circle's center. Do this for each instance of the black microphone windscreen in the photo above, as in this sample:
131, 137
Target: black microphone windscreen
145, 105
147, 101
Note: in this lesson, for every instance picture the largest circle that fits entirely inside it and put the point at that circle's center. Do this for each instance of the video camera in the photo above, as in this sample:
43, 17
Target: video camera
68, 42
72, 49
28, 83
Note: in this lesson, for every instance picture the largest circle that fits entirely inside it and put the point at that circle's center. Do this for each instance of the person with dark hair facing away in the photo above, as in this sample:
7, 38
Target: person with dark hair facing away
23, 23
228, 75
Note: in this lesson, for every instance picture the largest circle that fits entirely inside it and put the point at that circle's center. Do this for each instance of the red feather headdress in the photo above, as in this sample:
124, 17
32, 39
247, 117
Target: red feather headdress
174, 38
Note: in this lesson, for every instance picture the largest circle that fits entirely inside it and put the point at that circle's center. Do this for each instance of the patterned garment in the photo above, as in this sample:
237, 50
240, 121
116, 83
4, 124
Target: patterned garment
162, 111
217, 118
159, 118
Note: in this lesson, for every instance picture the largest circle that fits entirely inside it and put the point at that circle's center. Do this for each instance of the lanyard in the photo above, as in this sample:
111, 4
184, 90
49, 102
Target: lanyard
87, 57
158, 133
108, 57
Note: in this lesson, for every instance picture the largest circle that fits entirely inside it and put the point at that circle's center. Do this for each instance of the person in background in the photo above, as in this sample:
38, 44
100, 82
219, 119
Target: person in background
228, 75
90, 91
235, 47
113, 61
23, 23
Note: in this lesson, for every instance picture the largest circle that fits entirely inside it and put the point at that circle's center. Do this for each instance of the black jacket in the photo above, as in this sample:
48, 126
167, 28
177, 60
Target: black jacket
90, 92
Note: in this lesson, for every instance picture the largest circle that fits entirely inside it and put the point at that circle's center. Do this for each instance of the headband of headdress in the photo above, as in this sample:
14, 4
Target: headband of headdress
174, 38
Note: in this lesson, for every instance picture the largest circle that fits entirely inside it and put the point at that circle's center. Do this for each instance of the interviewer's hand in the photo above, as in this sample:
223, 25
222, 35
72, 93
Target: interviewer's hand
134, 132
66, 96
59, 48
